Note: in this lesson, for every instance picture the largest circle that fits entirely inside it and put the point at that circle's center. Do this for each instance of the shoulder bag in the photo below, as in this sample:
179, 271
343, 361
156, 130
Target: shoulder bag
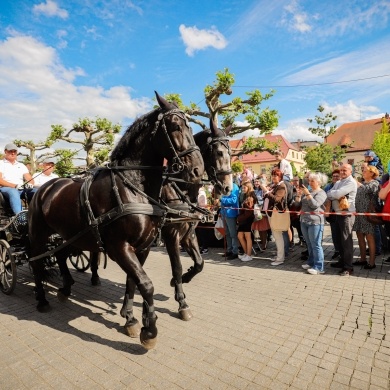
280, 220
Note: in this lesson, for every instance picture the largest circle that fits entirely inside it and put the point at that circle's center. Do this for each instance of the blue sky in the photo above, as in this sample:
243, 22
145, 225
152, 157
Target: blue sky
64, 60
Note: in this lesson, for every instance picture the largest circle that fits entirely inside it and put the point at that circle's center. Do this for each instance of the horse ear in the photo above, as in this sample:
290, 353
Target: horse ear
228, 129
163, 103
213, 127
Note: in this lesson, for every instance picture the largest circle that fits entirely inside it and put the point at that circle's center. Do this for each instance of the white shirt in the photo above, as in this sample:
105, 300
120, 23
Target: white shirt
286, 168
41, 178
13, 172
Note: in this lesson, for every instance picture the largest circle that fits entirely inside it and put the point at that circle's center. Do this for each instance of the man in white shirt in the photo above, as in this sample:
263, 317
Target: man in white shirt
46, 174
284, 166
346, 186
13, 175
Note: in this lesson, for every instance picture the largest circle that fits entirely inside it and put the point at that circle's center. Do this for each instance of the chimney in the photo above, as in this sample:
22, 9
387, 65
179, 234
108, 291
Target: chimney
244, 138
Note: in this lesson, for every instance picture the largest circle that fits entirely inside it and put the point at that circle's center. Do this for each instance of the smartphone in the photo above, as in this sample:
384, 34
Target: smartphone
301, 183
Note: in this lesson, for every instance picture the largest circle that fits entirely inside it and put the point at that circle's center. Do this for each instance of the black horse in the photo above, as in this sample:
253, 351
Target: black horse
117, 209
215, 149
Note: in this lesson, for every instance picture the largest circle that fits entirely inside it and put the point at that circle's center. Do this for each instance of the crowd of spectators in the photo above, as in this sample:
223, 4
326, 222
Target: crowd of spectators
316, 201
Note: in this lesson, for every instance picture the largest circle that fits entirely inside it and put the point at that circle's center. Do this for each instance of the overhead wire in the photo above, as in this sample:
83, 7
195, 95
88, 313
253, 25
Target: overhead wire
306, 85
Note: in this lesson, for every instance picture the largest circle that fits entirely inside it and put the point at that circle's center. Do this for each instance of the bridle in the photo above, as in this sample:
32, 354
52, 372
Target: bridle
211, 171
176, 165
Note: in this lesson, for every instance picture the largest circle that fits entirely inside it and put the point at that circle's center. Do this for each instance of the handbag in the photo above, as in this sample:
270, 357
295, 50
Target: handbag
280, 221
343, 203
375, 207
219, 228
257, 212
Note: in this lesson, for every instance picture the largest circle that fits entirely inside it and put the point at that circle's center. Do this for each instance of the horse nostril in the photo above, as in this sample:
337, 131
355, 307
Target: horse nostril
196, 172
227, 189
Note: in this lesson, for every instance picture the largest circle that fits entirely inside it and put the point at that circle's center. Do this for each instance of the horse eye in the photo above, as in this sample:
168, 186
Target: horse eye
220, 153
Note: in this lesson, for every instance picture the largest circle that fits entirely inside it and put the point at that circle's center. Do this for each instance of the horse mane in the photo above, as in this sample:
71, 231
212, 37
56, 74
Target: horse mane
134, 138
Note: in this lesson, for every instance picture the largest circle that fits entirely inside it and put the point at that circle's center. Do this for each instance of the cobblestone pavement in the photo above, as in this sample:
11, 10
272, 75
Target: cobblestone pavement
255, 327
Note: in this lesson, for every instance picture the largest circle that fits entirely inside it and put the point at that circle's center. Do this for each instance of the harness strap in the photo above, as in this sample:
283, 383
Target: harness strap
106, 219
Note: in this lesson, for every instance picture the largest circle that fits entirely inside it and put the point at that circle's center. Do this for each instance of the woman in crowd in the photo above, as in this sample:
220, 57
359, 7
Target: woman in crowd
365, 230
312, 221
261, 227
245, 220
276, 197
384, 195
331, 218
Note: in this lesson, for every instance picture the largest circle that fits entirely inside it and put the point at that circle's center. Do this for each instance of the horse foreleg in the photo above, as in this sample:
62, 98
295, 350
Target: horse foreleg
127, 260
172, 245
132, 326
67, 281
190, 243
94, 260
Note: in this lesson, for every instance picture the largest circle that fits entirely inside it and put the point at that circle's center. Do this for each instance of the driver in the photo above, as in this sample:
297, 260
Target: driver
12, 176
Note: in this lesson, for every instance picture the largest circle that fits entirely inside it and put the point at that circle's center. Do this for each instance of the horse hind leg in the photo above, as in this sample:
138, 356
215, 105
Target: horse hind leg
67, 280
94, 260
38, 268
173, 249
191, 245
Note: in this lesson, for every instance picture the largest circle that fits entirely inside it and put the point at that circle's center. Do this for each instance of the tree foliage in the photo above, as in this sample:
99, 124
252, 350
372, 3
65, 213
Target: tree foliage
381, 143
237, 166
31, 157
96, 137
324, 127
242, 113
319, 158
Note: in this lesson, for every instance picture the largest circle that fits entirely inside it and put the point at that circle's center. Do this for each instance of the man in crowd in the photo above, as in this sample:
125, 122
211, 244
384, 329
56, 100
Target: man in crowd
372, 159
229, 212
284, 166
15, 179
346, 186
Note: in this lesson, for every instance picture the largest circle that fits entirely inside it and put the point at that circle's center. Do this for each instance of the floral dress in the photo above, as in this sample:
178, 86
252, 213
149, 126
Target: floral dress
364, 195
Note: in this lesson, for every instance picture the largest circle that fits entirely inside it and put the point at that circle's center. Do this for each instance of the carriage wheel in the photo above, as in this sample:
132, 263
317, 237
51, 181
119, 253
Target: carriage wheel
80, 261
7, 268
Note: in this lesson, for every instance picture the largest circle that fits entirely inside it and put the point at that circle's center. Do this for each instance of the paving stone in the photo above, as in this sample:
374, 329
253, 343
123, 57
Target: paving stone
299, 332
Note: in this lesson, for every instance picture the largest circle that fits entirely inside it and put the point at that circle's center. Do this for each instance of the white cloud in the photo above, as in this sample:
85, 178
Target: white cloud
50, 9
37, 90
195, 39
296, 19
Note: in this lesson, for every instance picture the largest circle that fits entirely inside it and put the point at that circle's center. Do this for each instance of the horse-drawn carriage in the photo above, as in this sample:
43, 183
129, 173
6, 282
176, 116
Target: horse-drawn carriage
14, 247
118, 209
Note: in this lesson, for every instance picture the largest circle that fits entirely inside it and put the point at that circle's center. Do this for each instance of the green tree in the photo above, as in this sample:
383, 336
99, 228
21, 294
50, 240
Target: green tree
381, 143
319, 158
242, 113
33, 147
237, 166
96, 137
324, 122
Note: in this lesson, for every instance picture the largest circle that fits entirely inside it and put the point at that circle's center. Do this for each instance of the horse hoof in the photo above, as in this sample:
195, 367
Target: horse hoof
44, 307
61, 296
133, 330
148, 343
95, 281
185, 314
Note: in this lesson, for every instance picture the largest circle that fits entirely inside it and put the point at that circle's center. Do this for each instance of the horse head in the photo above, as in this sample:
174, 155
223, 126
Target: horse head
176, 134
216, 155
